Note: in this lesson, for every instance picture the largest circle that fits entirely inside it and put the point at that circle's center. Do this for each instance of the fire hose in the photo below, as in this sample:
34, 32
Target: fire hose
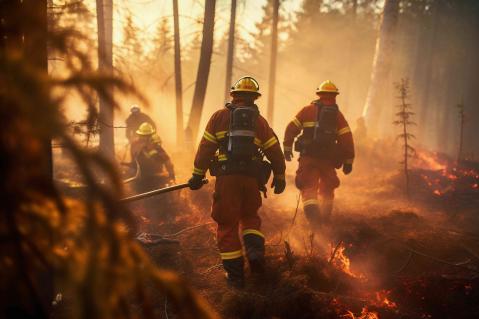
157, 192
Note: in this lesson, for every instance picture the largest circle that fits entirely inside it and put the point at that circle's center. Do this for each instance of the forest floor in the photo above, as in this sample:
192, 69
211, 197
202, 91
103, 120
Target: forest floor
382, 256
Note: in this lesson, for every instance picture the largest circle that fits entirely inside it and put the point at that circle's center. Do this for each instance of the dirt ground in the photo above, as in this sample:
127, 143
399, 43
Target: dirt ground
382, 256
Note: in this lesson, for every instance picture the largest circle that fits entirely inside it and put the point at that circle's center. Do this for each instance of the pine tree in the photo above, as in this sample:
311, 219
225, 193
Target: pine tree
132, 47
163, 39
404, 121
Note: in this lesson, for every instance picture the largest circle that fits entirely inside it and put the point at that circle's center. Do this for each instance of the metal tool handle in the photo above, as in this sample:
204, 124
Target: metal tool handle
157, 192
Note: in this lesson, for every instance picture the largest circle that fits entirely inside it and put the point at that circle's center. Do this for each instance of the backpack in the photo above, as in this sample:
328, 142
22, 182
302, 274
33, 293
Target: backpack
242, 132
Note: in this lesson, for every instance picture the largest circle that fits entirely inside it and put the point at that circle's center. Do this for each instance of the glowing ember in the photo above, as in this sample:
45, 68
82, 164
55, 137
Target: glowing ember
365, 314
382, 300
342, 262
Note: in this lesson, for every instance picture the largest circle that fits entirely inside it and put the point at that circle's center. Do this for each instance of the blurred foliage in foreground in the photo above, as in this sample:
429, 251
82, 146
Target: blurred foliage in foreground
48, 243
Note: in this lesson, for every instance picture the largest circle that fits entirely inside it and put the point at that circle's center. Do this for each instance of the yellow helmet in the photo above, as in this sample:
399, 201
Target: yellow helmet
145, 129
246, 84
327, 87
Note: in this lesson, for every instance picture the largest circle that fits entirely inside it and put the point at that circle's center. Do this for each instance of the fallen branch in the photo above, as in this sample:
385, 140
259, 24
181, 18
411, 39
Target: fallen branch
442, 261
210, 269
408, 261
149, 240
333, 254
187, 229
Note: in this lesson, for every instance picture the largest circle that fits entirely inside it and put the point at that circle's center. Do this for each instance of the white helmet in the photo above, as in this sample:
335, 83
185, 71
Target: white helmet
134, 108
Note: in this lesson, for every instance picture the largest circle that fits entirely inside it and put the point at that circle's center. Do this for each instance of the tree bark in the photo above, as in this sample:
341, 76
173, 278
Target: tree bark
178, 79
203, 70
231, 49
272, 65
105, 64
380, 81
350, 57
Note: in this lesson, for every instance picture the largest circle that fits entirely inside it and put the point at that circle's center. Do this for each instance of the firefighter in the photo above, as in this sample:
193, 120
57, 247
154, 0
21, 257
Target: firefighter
232, 148
326, 144
134, 120
152, 160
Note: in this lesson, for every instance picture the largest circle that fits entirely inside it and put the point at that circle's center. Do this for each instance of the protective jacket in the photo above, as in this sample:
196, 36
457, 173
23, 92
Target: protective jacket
317, 164
152, 158
306, 120
237, 197
215, 136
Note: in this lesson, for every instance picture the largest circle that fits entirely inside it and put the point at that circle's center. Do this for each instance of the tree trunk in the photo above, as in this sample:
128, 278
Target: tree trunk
178, 79
105, 64
35, 45
380, 81
350, 57
426, 76
203, 70
231, 50
272, 65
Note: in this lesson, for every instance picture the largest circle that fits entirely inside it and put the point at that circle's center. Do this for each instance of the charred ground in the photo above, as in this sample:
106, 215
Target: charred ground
382, 256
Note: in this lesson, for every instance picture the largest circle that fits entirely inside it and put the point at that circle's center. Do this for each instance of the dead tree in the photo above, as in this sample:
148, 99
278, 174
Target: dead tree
460, 108
381, 64
203, 69
178, 79
231, 49
104, 10
404, 121
273, 58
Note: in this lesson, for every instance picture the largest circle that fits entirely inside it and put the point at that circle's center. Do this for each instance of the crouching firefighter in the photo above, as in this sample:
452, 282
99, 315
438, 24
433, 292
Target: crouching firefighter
233, 147
326, 144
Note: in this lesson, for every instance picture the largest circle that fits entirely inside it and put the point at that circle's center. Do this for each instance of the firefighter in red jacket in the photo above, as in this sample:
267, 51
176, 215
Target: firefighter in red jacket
326, 144
232, 148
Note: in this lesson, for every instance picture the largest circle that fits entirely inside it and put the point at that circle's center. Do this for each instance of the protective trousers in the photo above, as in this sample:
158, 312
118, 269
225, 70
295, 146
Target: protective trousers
236, 201
316, 175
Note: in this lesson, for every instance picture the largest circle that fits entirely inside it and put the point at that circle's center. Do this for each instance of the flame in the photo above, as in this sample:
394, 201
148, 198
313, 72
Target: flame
342, 262
430, 161
382, 299
365, 314
442, 177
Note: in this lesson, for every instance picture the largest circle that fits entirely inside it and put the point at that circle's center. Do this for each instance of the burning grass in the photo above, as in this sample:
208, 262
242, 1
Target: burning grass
402, 263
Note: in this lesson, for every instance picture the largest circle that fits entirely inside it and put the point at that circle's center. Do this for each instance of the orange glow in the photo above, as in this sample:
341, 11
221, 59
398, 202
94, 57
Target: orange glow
430, 161
342, 262
382, 300
365, 314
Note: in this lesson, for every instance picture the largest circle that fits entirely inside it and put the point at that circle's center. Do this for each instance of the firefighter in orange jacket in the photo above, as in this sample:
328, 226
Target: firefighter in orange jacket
326, 144
232, 148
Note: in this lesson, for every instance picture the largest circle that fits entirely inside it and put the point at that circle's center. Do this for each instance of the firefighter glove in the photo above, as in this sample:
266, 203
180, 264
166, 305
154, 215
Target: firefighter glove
288, 155
347, 168
195, 182
279, 185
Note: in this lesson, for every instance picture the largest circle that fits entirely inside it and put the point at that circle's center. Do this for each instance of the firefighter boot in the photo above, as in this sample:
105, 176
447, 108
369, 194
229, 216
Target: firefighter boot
326, 210
254, 244
234, 272
312, 215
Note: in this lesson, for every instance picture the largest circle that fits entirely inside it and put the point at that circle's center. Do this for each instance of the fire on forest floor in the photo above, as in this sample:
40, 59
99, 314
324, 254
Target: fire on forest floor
381, 257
